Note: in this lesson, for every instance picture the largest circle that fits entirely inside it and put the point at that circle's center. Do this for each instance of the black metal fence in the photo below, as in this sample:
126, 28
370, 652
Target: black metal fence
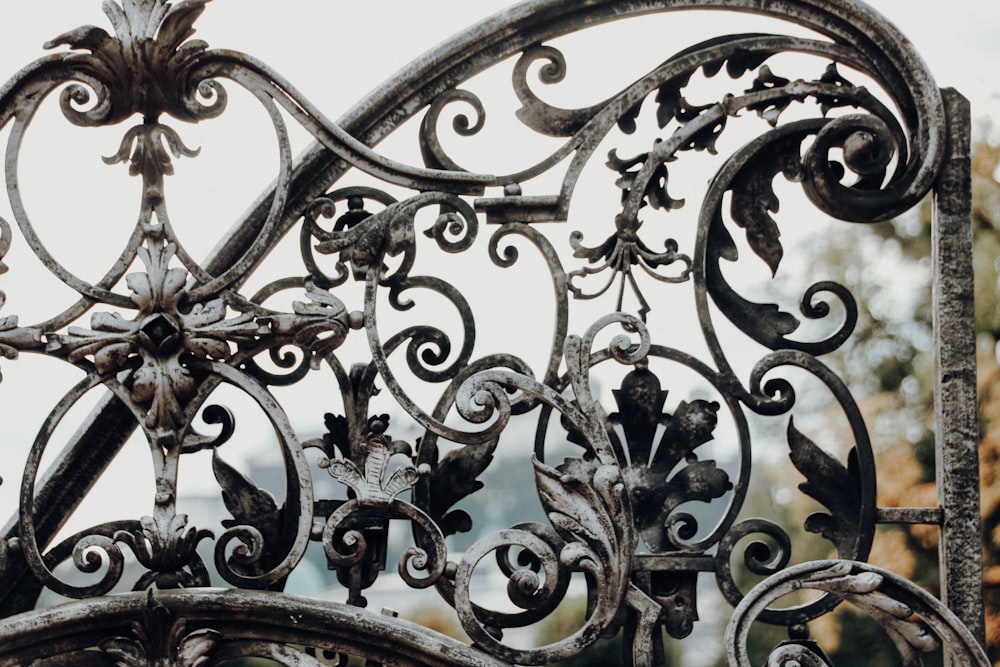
591, 320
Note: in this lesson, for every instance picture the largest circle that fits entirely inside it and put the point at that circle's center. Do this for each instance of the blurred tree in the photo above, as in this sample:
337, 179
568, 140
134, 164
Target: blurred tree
889, 361
888, 364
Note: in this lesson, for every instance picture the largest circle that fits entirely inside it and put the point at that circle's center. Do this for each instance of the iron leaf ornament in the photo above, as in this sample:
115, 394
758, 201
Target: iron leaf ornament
585, 506
249, 505
155, 343
14, 339
452, 478
142, 65
147, 148
161, 639
654, 492
835, 486
165, 546
371, 486
167, 331
643, 512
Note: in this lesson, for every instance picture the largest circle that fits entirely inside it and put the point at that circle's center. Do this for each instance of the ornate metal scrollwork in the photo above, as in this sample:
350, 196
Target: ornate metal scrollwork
644, 487
915, 621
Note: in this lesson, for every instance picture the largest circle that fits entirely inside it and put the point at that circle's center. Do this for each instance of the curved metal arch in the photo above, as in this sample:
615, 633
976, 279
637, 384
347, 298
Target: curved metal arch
913, 618
495, 38
896, 63
225, 624
162, 364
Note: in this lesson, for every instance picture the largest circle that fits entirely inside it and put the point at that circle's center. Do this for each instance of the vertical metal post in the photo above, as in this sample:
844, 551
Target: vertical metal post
955, 405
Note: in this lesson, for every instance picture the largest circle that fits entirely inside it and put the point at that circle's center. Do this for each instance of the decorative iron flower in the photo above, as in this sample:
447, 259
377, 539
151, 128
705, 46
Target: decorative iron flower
372, 487
143, 66
165, 548
155, 341
619, 254
159, 341
161, 640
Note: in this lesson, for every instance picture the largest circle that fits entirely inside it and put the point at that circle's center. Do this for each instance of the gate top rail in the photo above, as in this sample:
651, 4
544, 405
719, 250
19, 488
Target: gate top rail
643, 490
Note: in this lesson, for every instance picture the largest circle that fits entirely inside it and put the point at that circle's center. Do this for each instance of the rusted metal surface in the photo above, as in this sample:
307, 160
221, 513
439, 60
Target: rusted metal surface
956, 418
185, 628
160, 332
858, 584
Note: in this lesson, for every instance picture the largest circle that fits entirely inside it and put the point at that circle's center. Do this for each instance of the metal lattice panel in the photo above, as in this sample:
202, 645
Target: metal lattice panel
642, 503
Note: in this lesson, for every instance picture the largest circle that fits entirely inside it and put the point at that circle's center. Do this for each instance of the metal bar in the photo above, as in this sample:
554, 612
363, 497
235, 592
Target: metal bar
910, 515
678, 563
94, 446
956, 424
377, 115
601, 510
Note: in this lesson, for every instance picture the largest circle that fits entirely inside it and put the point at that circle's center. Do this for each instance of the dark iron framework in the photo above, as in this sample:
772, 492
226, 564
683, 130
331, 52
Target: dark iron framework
160, 332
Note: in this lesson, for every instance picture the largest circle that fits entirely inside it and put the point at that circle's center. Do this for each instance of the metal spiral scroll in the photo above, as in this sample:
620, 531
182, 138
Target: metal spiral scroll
183, 340
619, 513
893, 155
585, 500
914, 620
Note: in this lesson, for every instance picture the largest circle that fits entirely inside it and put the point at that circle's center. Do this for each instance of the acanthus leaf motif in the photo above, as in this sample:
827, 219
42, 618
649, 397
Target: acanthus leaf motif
168, 330
640, 402
626, 122
13, 339
754, 199
834, 485
909, 634
163, 385
654, 497
166, 547
369, 482
767, 322
147, 148
246, 502
252, 506
454, 477
832, 76
337, 437
587, 504
143, 64
208, 333
577, 510
671, 104
319, 325
769, 109
656, 193
152, 343
161, 287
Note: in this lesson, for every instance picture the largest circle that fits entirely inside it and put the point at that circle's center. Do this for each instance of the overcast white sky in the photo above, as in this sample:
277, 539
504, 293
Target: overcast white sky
344, 47
337, 50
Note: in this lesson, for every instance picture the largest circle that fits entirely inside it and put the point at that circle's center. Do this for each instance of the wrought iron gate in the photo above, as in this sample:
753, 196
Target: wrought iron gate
645, 496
